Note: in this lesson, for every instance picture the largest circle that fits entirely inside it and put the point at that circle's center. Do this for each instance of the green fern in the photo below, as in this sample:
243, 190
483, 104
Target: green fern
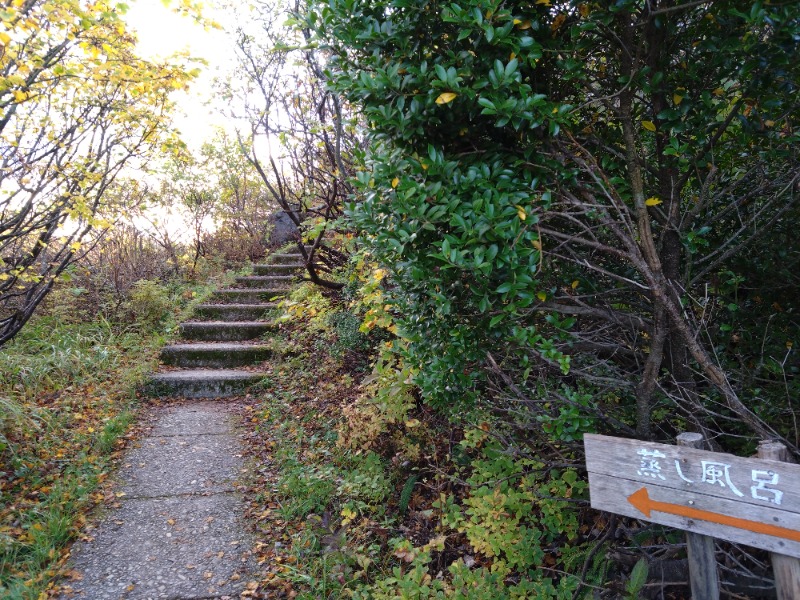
405, 495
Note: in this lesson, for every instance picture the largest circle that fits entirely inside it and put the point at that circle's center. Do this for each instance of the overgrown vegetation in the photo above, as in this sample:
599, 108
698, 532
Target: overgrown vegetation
526, 222
67, 392
382, 494
558, 187
68, 395
571, 218
77, 105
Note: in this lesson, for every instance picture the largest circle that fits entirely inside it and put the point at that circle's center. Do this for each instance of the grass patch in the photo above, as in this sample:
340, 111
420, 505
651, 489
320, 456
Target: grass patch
323, 511
67, 396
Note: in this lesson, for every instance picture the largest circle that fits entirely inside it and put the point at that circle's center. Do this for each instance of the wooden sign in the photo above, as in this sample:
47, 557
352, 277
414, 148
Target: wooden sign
746, 500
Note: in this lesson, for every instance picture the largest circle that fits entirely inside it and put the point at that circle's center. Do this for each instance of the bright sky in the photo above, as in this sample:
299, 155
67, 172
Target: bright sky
162, 33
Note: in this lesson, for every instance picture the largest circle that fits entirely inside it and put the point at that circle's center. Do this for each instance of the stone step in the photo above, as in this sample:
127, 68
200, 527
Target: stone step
248, 296
266, 281
233, 312
214, 356
225, 331
201, 383
295, 250
295, 260
266, 269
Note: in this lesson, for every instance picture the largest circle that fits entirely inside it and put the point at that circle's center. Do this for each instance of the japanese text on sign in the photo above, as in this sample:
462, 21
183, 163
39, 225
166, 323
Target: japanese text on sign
763, 482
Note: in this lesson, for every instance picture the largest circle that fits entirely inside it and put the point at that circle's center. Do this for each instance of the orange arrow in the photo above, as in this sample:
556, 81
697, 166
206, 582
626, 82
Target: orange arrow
642, 502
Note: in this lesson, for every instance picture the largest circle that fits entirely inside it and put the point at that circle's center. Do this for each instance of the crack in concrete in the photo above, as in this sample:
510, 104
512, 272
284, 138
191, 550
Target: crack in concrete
183, 495
191, 435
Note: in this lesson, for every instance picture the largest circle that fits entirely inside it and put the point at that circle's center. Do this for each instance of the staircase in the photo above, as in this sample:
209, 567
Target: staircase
218, 347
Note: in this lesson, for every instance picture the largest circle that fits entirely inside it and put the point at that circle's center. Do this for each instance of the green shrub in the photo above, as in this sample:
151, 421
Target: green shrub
514, 507
550, 183
348, 337
366, 481
149, 303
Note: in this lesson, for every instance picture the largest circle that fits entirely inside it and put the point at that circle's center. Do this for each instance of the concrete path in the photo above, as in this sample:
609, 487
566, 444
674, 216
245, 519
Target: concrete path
177, 532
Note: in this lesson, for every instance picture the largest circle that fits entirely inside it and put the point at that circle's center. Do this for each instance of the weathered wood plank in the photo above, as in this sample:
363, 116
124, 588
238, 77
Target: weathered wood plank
611, 493
747, 481
785, 568
703, 573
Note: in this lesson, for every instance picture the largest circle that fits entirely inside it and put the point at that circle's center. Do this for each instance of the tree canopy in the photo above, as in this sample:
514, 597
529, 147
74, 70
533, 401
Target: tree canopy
76, 105
575, 201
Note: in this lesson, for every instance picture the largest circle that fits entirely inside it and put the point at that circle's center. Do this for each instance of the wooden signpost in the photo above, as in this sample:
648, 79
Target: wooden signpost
752, 501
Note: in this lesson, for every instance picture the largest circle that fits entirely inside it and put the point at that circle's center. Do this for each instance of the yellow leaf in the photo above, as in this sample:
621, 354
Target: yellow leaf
522, 24
75, 246
436, 543
4, 38
446, 97
584, 10
575, 284
545, 2
521, 213
677, 99
652, 201
719, 91
649, 125
537, 244
541, 296
19, 95
395, 182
